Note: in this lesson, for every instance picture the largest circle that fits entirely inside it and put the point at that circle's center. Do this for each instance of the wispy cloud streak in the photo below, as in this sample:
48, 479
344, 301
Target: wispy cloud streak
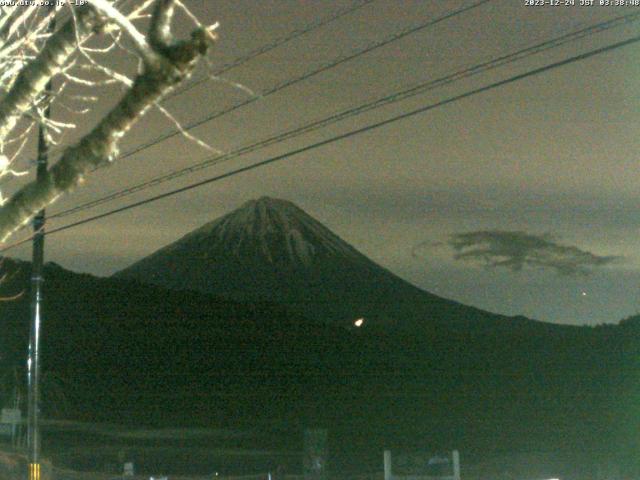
516, 249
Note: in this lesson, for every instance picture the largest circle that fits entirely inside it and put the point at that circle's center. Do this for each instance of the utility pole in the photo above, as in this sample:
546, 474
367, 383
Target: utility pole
33, 362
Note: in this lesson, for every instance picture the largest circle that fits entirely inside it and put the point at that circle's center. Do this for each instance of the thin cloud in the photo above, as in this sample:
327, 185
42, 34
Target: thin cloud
515, 250
415, 251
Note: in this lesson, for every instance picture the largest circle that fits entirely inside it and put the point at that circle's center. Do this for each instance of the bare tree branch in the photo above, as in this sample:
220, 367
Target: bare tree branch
160, 30
32, 80
142, 47
172, 61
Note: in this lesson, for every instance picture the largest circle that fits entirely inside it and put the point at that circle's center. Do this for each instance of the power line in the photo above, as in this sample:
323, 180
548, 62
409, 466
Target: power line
379, 102
349, 134
262, 49
273, 45
305, 76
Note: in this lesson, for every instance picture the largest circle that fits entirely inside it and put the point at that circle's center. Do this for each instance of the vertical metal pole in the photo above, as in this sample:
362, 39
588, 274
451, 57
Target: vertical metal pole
456, 465
388, 469
33, 362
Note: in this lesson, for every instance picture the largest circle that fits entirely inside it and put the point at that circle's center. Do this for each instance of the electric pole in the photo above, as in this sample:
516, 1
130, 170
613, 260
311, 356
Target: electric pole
33, 362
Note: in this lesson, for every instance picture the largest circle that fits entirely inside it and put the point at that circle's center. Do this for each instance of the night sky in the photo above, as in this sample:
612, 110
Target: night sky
542, 172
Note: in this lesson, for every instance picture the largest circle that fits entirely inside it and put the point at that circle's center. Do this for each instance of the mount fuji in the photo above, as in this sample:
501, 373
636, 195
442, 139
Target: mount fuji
249, 334
270, 249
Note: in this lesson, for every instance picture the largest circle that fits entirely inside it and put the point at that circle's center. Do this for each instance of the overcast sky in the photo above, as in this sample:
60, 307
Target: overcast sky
543, 172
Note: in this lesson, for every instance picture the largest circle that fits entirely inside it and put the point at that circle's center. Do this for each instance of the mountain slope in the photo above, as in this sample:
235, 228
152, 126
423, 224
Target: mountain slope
146, 355
272, 250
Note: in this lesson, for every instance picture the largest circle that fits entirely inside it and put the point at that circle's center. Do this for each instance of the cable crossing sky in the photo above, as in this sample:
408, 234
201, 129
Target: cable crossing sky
360, 109
351, 133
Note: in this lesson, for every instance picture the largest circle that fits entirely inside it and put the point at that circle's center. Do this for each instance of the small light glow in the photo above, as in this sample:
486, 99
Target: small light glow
584, 294
359, 322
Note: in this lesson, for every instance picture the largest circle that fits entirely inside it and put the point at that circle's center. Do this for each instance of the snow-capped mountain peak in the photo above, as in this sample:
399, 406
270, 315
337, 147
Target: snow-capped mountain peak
269, 249
272, 229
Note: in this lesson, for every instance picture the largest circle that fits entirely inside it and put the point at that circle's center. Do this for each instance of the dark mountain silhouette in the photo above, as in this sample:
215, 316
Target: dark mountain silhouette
437, 375
269, 249
129, 347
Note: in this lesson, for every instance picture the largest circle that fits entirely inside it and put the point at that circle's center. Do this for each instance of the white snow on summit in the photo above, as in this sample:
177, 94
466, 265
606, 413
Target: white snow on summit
273, 228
